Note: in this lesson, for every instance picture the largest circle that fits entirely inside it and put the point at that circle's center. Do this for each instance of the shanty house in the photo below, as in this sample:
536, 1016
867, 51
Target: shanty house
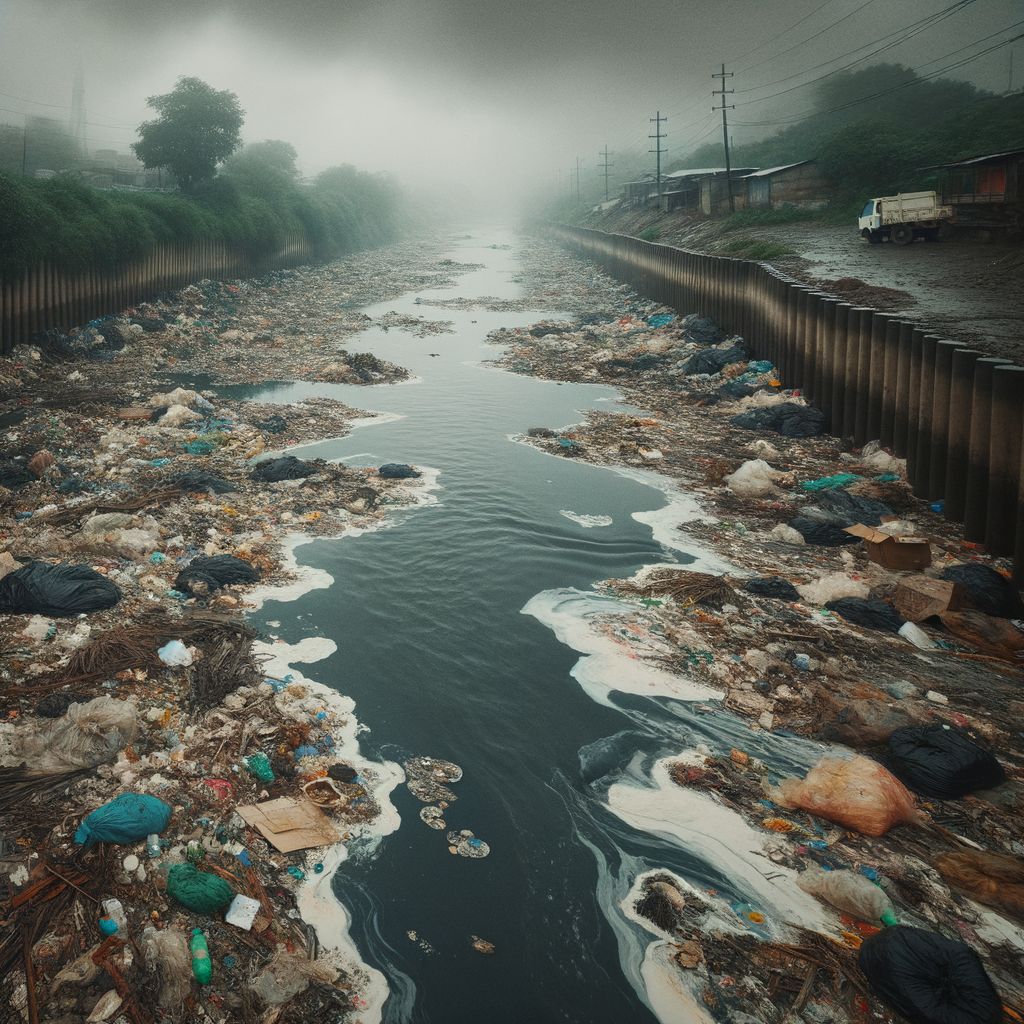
702, 188
985, 191
801, 184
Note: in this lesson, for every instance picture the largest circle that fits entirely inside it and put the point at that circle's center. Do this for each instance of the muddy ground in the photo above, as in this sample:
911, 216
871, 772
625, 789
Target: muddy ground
965, 290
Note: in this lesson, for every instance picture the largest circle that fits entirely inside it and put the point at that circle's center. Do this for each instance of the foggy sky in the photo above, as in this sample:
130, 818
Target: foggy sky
490, 96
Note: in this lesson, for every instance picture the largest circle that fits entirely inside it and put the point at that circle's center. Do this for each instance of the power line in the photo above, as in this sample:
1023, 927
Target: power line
911, 30
789, 28
803, 42
902, 85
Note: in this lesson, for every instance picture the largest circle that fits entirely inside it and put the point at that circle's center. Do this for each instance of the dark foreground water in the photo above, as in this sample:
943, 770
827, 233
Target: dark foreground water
435, 650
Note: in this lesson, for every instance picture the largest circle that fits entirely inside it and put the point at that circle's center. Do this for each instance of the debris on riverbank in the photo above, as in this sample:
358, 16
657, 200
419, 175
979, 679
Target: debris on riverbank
164, 788
852, 613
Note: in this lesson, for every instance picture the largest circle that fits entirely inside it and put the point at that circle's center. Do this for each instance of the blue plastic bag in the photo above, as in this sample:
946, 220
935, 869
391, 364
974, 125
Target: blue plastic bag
128, 818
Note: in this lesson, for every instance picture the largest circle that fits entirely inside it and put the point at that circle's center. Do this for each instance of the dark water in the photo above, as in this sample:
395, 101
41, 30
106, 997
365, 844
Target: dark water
433, 647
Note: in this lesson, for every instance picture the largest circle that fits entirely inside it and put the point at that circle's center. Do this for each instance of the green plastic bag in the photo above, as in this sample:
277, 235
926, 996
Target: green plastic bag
828, 483
126, 819
201, 891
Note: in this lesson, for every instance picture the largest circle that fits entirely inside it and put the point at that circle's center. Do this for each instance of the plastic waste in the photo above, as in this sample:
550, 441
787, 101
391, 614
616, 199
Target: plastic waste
166, 954
942, 761
772, 586
204, 575
201, 891
786, 418
56, 590
754, 479
994, 636
288, 974
785, 534
928, 978
175, 654
114, 910
713, 360
108, 926
177, 415
917, 636
398, 471
84, 736
802, 662
850, 509
995, 879
822, 532
153, 848
287, 467
195, 481
259, 766
870, 614
855, 792
848, 891
125, 819
986, 589
202, 969
828, 483
242, 912
832, 587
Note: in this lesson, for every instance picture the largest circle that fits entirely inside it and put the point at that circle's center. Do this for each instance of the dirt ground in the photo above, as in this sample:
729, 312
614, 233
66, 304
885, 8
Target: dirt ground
964, 290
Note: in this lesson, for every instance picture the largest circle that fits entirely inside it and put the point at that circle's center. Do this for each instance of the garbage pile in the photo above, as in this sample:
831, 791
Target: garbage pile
164, 796
850, 612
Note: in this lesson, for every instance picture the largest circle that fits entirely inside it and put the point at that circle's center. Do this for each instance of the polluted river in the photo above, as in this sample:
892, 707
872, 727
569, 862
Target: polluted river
462, 634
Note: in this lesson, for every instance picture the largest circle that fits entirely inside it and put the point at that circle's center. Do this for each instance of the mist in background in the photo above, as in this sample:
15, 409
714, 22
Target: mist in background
475, 104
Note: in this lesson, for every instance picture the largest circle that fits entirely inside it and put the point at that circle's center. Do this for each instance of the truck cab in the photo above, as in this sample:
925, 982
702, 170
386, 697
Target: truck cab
870, 219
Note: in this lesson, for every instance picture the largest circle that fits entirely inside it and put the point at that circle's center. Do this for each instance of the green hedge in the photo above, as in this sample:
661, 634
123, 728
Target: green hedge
73, 225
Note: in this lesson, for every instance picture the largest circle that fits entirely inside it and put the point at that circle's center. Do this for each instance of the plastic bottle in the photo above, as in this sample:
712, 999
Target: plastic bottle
113, 909
153, 845
202, 969
849, 892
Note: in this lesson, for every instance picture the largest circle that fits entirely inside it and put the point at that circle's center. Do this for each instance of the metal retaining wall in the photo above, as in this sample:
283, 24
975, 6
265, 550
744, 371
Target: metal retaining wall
956, 416
46, 297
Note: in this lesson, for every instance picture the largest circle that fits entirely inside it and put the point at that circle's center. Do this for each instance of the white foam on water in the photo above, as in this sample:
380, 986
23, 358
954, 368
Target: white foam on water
315, 898
607, 666
718, 836
586, 520
672, 994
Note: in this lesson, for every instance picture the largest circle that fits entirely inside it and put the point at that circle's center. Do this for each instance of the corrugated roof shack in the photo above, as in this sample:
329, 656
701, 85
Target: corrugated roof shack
637, 193
985, 191
801, 184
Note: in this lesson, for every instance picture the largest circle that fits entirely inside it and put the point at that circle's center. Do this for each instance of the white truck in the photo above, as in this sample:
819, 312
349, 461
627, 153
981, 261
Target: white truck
903, 217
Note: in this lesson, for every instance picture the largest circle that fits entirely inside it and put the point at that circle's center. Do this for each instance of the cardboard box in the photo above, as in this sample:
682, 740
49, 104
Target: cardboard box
290, 825
920, 597
900, 554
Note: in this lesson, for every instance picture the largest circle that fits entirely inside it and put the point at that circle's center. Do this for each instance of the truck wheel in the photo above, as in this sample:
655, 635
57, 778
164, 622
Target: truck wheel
871, 236
903, 234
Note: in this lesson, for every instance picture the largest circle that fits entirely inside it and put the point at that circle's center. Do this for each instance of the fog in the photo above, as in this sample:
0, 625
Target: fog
471, 98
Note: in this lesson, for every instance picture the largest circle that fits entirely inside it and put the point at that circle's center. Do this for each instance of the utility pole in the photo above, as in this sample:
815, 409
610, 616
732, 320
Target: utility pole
605, 168
657, 136
723, 92
578, 180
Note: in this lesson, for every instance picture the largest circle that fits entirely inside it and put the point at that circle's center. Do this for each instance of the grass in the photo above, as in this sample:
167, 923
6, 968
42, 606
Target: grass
766, 218
754, 248
71, 225
651, 234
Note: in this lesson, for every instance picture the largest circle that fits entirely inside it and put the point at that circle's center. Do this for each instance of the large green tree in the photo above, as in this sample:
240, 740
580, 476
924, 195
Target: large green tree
265, 168
197, 128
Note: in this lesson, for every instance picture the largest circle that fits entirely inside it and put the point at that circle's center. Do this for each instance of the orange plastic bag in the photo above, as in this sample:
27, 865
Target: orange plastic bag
993, 878
855, 792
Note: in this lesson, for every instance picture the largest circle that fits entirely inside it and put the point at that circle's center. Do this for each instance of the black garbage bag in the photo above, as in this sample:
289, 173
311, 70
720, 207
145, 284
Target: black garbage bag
928, 978
196, 481
273, 424
852, 508
541, 432
789, 419
941, 762
398, 471
56, 590
702, 330
772, 586
825, 533
864, 612
13, 474
204, 575
737, 389
986, 589
53, 705
287, 467
713, 360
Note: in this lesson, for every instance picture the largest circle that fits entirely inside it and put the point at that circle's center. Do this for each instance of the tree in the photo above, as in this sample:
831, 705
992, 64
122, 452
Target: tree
266, 168
198, 127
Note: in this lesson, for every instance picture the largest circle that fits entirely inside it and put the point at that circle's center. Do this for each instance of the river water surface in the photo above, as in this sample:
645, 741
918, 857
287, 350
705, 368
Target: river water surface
434, 646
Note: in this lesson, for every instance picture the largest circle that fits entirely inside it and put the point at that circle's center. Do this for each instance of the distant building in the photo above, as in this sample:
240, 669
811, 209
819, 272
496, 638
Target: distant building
985, 191
637, 193
801, 184
703, 189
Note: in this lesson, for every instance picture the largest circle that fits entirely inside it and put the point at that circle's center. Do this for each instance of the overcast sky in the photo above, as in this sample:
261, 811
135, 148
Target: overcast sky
459, 92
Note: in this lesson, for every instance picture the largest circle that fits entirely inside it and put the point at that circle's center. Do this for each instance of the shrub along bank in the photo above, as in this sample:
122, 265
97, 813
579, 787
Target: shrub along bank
72, 225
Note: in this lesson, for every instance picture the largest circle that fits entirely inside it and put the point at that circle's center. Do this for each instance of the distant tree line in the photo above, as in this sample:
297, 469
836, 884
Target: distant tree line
874, 131
245, 195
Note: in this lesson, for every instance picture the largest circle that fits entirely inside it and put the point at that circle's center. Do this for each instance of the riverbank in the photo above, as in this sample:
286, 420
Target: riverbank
142, 675
966, 290
798, 635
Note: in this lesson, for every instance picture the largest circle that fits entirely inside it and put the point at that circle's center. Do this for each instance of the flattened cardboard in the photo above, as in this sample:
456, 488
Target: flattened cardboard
920, 597
290, 825
897, 553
